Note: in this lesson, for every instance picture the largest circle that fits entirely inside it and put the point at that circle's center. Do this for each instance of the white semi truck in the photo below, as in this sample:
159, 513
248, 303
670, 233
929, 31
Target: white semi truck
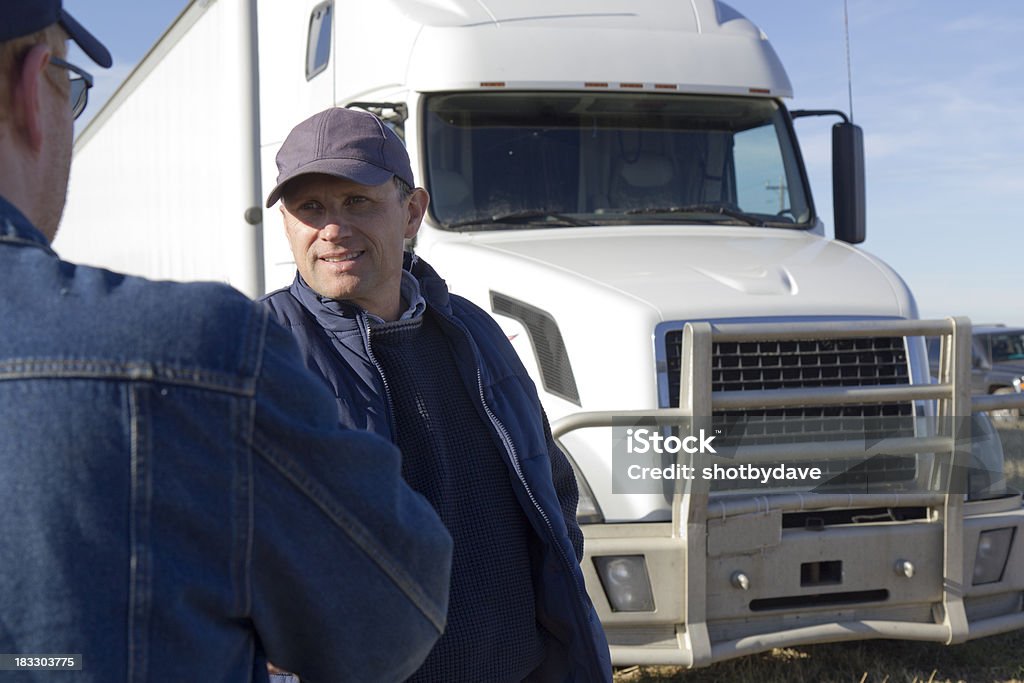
620, 185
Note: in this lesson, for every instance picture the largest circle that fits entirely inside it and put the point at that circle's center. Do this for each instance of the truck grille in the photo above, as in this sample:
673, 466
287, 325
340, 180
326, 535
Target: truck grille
751, 366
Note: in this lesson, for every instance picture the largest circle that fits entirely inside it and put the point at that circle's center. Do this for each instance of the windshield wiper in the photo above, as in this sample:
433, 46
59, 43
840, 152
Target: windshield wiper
701, 208
526, 217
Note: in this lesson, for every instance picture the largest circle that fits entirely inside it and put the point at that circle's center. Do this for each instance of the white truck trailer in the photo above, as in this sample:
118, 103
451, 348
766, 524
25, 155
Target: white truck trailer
620, 185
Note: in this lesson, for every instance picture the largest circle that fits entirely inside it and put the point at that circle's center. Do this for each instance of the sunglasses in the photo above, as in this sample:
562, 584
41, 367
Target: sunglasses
81, 81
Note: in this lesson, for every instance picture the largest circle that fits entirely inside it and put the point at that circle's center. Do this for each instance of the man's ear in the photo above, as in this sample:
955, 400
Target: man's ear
27, 104
418, 202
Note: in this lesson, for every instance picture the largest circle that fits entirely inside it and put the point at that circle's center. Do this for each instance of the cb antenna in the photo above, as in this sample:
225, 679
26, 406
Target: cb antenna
849, 70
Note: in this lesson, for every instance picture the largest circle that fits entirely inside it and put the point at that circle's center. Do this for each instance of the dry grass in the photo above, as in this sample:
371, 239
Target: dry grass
998, 659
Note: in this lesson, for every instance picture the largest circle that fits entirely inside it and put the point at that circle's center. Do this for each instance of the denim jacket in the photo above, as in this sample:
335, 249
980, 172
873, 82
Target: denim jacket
177, 500
334, 339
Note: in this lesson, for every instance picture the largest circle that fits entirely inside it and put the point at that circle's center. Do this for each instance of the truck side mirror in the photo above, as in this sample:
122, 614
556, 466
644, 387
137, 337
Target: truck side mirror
848, 182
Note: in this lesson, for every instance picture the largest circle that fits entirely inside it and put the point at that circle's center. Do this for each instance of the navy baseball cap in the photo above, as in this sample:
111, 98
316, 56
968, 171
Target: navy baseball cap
25, 17
345, 143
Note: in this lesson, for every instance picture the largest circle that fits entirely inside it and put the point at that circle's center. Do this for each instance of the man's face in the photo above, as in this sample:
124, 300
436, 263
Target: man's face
348, 239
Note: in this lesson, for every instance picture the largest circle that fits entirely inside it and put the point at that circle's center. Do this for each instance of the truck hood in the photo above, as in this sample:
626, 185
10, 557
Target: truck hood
697, 272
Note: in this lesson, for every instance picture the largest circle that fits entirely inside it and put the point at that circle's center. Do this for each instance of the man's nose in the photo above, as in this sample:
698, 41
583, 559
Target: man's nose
334, 230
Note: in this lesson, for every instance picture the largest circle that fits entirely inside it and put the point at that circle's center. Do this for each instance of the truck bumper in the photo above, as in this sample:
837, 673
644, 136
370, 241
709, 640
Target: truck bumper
777, 577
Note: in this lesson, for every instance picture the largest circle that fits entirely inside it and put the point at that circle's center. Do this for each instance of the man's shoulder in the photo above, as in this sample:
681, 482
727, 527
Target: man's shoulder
202, 324
185, 304
473, 315
282, 304
490, 338
278, 296
287, 310
494, 346
435, 290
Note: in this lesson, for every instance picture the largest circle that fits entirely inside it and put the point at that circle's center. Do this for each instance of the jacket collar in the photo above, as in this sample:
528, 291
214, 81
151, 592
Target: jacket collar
433, 288
15, 228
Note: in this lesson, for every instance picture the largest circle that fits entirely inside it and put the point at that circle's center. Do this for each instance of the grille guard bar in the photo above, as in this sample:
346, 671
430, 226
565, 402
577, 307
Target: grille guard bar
691, 506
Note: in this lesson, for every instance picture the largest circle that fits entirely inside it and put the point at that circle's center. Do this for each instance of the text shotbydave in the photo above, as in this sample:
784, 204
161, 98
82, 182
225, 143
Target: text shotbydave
746, 472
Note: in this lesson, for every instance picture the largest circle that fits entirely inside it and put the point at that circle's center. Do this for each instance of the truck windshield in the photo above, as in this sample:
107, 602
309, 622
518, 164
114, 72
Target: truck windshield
502, 160
1008, 347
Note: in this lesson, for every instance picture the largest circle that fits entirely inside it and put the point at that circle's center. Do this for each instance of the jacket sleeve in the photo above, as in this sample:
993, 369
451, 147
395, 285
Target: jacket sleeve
566, 488
347, 568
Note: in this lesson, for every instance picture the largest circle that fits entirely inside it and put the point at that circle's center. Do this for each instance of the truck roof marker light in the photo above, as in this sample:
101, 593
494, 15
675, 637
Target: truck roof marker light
492, 84
631, 85
595, 84
760, 91
666, 86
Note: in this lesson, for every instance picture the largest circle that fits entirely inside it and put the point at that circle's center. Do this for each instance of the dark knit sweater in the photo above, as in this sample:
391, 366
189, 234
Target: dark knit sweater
451, 456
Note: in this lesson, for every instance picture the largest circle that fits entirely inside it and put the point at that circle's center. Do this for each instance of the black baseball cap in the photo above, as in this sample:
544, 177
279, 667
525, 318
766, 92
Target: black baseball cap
25, 17
345, 143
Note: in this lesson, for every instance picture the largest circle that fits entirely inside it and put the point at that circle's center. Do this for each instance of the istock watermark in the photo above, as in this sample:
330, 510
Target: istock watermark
806, 453
643, 440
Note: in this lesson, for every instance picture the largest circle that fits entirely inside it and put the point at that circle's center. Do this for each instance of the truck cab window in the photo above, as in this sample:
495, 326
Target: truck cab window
540, 159
761, 178
318, 43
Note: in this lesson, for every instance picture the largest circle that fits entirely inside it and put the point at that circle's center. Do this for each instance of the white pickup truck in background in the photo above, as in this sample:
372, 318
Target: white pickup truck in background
620, 185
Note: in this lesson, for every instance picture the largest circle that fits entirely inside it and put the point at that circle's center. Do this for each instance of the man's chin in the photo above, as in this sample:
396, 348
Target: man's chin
332, 289
328, 284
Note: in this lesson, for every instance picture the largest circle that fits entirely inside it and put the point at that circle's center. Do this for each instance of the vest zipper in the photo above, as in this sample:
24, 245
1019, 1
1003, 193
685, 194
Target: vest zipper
389, 405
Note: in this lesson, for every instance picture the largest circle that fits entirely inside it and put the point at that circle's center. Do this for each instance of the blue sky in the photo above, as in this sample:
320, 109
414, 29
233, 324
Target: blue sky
938, 87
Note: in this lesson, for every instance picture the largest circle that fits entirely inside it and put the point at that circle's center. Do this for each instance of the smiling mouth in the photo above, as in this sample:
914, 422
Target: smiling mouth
352, 256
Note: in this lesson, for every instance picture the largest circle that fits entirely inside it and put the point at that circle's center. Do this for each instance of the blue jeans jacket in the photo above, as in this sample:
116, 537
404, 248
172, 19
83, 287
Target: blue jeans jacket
177, 500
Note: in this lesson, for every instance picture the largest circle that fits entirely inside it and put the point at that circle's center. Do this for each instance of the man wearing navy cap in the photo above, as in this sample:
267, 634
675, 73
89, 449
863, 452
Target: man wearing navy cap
177, 499
435, 374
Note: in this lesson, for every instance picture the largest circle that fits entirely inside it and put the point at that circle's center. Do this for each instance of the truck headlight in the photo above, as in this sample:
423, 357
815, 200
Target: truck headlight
625, 582
991, 556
